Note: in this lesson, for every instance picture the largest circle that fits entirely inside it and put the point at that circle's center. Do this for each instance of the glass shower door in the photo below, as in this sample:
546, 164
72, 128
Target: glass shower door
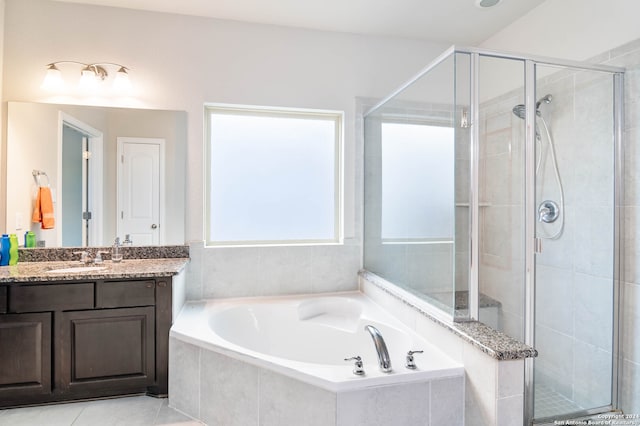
575, 241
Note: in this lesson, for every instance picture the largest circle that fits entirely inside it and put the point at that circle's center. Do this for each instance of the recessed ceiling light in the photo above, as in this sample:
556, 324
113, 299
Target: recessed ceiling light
483, 4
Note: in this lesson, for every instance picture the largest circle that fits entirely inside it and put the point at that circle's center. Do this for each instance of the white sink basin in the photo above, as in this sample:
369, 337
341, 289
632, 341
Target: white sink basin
77, 269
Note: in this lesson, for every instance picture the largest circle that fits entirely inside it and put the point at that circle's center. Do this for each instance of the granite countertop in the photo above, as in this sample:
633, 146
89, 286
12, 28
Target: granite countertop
128, 268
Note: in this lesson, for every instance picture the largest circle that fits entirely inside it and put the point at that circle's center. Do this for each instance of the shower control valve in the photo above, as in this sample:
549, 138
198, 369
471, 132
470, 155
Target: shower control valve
358, 370
548, 211
411, 364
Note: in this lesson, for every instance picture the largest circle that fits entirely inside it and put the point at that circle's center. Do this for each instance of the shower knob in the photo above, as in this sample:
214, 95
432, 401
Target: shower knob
548, 211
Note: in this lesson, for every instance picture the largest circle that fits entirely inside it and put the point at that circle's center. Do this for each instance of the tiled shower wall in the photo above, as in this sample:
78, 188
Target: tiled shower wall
573, 273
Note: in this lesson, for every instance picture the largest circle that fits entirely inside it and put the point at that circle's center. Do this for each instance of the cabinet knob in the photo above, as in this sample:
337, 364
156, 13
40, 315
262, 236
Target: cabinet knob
162, 284
149, 285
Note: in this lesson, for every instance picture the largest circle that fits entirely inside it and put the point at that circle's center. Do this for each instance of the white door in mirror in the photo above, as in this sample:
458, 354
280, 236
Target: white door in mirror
140, 189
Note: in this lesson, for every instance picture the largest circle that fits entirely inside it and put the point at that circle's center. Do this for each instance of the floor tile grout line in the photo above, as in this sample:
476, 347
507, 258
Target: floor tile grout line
78, 416
155, 419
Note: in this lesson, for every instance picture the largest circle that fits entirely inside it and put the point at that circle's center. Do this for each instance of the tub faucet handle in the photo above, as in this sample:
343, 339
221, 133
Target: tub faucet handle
411, 364
358, 370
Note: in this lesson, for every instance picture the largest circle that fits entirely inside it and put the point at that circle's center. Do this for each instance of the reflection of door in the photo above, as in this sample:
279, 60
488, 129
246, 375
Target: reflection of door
74, 184
81, 180
140, 188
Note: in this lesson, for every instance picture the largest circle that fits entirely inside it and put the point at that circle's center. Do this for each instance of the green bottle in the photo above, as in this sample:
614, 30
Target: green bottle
13, 249
31, 239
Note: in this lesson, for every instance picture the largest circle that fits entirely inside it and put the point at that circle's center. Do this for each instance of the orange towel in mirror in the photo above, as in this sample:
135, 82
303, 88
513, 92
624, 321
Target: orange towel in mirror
43, 211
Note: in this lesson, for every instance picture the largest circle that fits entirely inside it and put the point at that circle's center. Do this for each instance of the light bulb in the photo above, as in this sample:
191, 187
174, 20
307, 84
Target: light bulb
53, 79
88, 79
122, 82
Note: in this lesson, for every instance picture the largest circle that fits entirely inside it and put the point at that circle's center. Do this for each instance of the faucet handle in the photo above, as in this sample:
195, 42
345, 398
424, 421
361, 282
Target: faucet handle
98, 258
358, 370
411, 364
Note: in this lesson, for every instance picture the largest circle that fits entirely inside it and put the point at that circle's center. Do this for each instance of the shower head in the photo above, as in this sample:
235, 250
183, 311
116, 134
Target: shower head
545, 99
520, 110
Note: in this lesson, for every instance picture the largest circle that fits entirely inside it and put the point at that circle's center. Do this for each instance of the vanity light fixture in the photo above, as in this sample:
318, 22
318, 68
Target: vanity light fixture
485, 4
90, 76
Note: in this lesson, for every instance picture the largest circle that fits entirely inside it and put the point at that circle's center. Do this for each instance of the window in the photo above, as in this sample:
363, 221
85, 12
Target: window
273, 176
417, 183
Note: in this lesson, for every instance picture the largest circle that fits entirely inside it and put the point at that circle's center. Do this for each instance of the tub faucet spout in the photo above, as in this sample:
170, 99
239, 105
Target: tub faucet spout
381, 347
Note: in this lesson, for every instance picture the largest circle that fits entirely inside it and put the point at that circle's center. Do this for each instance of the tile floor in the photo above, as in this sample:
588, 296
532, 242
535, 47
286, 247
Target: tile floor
549, 403
126, 411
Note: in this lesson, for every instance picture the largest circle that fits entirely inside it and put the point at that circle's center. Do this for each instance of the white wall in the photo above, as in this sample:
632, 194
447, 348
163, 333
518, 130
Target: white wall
181, 62
570, 29
3, 113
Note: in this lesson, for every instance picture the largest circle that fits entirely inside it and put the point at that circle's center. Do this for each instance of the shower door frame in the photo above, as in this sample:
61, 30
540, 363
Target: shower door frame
530, 218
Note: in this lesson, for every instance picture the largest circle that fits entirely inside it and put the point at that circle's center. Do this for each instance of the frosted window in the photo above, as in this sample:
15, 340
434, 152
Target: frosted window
273, 176
417, 182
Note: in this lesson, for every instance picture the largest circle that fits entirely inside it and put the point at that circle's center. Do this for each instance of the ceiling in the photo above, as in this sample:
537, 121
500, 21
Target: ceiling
446, 21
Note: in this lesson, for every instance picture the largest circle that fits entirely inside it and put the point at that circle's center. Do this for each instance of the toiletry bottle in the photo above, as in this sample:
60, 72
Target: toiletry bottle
31, 239
127, 241
13, 249
4, 250
116, 254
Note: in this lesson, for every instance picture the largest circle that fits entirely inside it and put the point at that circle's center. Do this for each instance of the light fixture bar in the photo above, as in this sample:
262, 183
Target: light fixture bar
91, 73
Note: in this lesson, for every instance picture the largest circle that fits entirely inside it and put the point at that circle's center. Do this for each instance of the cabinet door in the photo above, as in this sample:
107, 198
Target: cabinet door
3, 299
104, 352
25, 356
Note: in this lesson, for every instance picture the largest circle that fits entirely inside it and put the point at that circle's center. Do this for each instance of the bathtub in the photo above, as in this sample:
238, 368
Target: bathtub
307, 339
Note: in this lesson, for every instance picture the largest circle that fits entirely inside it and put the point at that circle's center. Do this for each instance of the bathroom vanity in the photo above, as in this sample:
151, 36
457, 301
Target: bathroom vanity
91, 333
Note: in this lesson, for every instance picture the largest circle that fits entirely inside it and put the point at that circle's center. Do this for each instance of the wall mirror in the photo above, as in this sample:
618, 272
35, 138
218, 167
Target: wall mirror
111, 172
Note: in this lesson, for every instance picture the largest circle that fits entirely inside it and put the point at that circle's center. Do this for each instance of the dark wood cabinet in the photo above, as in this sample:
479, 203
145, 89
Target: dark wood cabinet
107, 349
25, 356
65, 341
3, 299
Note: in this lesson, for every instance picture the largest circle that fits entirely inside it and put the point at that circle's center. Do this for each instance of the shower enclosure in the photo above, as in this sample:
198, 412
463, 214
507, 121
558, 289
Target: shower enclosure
492, 192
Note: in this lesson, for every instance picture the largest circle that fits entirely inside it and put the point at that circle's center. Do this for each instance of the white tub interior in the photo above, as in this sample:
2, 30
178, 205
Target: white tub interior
307, 338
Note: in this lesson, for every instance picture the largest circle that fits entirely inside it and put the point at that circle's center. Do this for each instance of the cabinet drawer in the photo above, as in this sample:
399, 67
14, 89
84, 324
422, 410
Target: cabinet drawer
115, 294
3, 300
50, 297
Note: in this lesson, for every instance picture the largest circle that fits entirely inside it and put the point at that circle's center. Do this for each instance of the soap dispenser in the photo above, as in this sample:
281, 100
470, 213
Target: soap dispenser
116, 254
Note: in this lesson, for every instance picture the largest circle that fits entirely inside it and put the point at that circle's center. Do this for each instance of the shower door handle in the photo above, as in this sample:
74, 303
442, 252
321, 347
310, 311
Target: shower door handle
537, 245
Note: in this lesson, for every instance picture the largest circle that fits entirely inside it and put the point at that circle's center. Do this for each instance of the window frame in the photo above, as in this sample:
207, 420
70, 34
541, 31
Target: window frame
277, 112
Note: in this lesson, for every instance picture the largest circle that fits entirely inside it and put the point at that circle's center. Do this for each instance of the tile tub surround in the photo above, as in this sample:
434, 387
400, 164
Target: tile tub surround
493, 362
222, 390
130, 268
288, 365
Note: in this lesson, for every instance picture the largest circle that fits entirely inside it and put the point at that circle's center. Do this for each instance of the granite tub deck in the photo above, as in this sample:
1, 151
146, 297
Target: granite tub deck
490, 341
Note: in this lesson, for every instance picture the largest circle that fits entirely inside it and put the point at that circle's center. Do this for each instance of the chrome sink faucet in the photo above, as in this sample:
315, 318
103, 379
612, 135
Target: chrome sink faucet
85, 257
381, 347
